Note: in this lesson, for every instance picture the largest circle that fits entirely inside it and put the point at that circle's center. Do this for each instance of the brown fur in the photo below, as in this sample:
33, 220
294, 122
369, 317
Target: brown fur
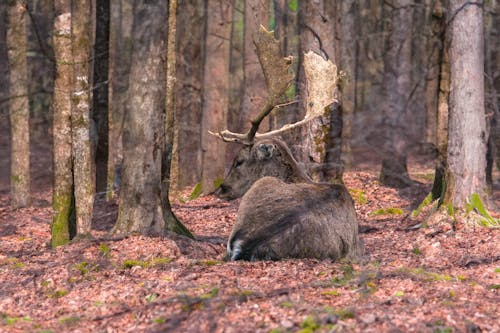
267, 157
283, 214
301, 220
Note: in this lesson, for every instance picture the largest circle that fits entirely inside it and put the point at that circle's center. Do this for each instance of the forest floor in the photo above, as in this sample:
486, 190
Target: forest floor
434, 279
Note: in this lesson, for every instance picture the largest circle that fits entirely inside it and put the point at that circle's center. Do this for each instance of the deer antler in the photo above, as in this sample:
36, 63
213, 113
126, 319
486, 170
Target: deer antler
322, 79
278, 78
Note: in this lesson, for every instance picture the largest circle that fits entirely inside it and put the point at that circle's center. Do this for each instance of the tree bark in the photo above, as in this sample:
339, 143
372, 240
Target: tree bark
63, 177
347, 63
18, 104
40, 66
466, 162
172, 223
235, 121
83, 169
140, 208
215, 93
188, 96
100, 93
120, 52
397, 82
254, 84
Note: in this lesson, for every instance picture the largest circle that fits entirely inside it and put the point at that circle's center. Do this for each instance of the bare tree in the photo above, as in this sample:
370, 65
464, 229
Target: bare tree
100, 113
256, 13
145, 159
18, 104
120, 50
397, 83
63, 196
468, 135
83, 168
188, 97
215, 87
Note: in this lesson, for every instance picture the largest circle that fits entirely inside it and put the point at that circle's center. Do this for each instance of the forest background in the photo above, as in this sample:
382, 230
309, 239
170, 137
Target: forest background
392, 57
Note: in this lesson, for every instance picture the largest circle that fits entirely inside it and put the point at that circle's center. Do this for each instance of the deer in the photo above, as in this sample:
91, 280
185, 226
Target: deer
283, 213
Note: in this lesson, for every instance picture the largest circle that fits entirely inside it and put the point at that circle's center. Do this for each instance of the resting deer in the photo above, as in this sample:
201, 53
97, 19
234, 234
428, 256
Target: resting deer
283, 213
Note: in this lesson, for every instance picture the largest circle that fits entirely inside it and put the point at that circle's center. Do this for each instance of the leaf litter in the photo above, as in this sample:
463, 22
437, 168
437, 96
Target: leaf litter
410, 280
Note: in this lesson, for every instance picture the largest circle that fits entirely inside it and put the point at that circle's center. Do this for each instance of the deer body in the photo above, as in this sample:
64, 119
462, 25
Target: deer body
283, 214
297, 220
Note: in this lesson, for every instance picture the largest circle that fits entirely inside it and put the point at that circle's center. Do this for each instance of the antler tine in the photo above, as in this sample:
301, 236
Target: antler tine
278, 78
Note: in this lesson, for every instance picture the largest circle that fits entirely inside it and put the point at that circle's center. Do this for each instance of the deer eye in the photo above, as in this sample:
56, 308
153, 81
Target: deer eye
237, 163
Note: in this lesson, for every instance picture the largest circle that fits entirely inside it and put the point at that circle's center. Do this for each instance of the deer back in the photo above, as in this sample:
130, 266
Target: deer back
294, 220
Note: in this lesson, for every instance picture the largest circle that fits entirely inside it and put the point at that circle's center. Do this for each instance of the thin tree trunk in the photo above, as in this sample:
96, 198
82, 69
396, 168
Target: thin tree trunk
63, 176
235, 121
100, 92
171, 221
84, 176
188, 99
466, 161
40, 66
120, 54
347, 63
254, 84
397, 66
432, 79
442, 121
18, 104
215, 93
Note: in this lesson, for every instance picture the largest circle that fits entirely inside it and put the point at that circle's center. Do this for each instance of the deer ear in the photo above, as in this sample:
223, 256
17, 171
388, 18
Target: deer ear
265, 151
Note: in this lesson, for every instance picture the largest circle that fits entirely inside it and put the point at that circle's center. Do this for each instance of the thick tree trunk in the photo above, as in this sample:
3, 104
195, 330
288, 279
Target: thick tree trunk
63, 176
215, 94
466, 162
317, 33
120, 52
83, 170
188, 96
140, 208
100, 93
397, 66
254, 84
171, 221
18, 104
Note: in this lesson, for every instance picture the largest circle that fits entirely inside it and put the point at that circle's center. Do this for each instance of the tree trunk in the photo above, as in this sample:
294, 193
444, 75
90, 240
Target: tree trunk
286, 13
83, 173
435, 47
120, 52
140, 208
397, 66
254, 84
100, 93
188, 96
215, 93
317, 33
347, 63
40, 66
4, 64
442, 120
171, 221
18, 104
235, 121
466, 162
492, 71
63, 176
